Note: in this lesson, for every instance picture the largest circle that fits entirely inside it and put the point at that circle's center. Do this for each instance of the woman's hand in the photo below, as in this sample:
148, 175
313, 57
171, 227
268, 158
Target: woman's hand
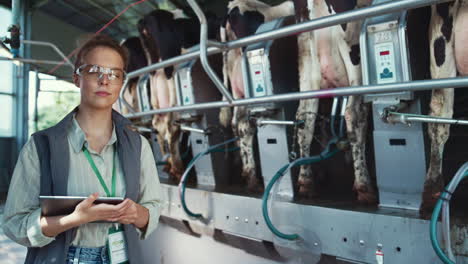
86, 211
126, 212
133, 213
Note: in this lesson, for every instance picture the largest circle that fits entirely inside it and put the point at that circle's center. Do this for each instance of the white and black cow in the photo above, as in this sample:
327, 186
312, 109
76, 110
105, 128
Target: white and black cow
165, 36
243, 19
329, 58
136, 60
448, 35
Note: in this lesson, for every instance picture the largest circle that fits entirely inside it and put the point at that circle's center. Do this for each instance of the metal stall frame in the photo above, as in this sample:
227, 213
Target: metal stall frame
327, 227
381, 9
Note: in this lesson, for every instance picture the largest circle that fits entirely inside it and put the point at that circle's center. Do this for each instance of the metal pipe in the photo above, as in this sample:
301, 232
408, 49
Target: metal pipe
318, 23
217, 44
43, 43
5, 93
31, 60
104, 10
36, 95
423, 85
408, 118
122, 97
334, 106
276, 122
15, 12
98, 21
203, 51
344, 104
134, 10
191, 129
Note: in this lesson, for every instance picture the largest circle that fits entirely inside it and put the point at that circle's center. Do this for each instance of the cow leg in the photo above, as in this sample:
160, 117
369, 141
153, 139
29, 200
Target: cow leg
134, 96
172, 137
356, 125
309, 79
161, 128
225, 113
246, 133
442, 66
158, 121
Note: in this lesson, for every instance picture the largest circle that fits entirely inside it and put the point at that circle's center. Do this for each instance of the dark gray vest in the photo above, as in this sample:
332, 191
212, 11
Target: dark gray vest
54, 158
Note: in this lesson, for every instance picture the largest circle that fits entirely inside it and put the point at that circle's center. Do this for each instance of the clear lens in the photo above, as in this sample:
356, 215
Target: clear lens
96, 72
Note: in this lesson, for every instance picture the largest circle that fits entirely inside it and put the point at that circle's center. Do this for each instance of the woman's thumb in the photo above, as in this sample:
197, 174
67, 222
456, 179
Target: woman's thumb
90, 200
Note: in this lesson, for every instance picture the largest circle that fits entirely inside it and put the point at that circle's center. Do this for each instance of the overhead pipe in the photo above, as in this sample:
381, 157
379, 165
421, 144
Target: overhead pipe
76, 10
203, 51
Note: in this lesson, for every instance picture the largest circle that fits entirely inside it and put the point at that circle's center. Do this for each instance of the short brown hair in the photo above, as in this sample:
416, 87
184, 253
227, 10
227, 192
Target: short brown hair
100, 41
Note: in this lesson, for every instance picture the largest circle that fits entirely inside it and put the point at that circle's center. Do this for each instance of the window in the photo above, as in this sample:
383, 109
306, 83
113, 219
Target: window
6, 81
56, 98
6, 115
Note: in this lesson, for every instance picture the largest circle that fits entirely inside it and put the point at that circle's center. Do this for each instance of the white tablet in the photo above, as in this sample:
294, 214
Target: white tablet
63, 205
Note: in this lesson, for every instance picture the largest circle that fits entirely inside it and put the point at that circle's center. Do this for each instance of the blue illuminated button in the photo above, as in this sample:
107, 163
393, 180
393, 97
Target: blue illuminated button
386, 74
259, 89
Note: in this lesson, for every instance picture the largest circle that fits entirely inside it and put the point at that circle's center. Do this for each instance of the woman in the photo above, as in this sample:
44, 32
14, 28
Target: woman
93, 153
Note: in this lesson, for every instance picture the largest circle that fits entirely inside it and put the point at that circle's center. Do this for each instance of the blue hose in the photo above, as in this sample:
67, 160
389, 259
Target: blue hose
326, 154
433, 225
183, 183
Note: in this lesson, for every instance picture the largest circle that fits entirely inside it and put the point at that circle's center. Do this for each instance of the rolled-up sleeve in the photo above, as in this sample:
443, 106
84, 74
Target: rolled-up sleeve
150, 189
22, 210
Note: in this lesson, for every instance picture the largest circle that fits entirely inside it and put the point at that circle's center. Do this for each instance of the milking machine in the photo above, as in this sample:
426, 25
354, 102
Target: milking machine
144, 104
194, 86
399, 148
267, 71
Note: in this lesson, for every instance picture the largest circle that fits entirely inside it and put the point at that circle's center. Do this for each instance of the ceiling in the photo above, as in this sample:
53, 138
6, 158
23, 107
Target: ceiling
63, 22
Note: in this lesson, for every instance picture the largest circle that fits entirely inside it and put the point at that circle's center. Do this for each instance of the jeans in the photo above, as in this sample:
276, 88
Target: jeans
79, 255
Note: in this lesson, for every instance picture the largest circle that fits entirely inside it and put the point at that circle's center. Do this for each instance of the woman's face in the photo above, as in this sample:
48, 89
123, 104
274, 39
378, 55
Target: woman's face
100, 88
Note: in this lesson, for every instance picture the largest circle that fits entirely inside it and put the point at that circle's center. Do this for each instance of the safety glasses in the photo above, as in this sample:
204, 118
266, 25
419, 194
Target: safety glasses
96, 73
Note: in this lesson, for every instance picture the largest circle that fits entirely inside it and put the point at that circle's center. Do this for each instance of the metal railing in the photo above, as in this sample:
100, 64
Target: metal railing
36, 61
345, 91
323, 22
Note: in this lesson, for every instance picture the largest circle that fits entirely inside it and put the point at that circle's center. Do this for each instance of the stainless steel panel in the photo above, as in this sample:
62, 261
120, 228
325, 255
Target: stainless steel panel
158, 157
274, 154
203, 166
351, 235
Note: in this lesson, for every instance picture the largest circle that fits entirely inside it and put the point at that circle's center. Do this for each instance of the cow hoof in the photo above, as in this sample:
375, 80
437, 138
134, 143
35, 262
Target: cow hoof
176, 174
254, 185
167, 168
306, 187
307, 192
367, 198
256, 189
430, 195
366, 195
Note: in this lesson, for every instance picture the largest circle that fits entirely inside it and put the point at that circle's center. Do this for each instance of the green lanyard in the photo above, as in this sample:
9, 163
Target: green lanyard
98, 174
